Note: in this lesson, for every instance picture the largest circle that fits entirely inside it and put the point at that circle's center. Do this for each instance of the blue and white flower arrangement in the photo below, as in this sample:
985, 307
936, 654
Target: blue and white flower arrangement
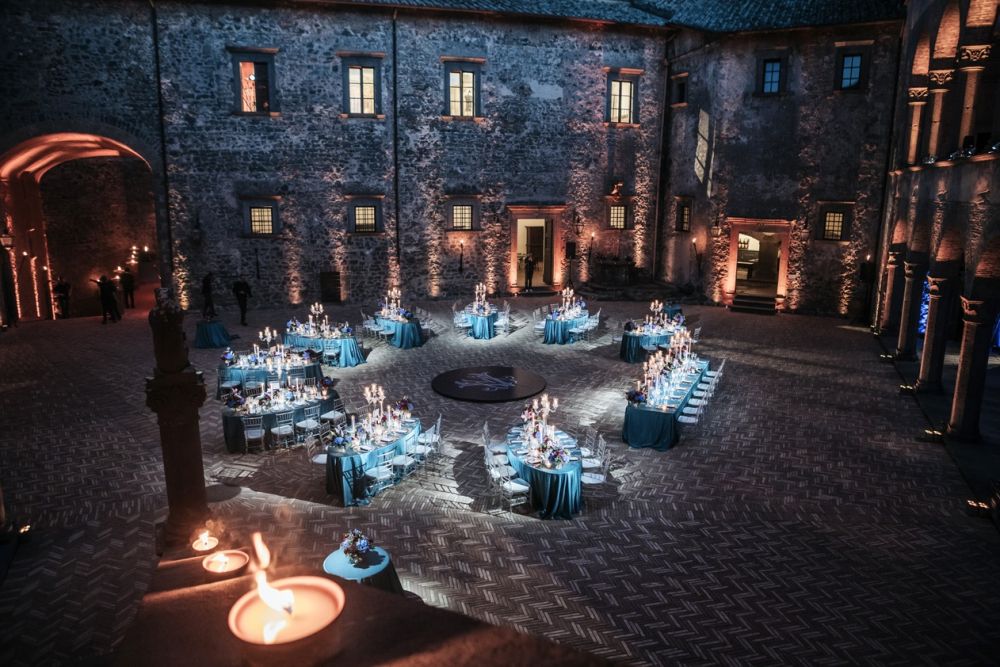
635, 396
355, 546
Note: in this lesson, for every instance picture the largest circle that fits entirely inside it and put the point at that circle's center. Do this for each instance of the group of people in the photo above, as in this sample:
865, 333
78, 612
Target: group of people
107, 290
241, 290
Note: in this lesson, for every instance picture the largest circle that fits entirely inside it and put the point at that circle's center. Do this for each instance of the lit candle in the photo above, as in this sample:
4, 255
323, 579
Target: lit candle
205, 542
225, 562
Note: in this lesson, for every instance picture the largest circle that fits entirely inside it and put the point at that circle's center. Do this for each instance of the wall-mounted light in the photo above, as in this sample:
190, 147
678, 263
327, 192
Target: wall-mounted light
590, 248
461, 256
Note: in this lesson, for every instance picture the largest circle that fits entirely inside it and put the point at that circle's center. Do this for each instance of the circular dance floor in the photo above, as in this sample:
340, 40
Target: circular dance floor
488, 384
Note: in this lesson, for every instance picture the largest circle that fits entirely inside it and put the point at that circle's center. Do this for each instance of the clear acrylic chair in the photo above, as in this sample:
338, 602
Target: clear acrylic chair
309, 425
253, 431
283, 432
380, 476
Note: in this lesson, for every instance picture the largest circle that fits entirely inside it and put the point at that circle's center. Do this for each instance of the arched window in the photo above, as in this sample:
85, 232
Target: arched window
946, 41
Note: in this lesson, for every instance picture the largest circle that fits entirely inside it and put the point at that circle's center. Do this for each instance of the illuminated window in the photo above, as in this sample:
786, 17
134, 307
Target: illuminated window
771, 83
833, 225
261, 220
462, 83
365, 219
361, 90
834, 221
850, 71
622, 94
260, 215
617, 216
461, 216
253, 69
683, 216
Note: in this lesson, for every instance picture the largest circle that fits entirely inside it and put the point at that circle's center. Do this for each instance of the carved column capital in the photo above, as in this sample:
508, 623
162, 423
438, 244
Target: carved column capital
940, 78
937, 285
973, 56
917, 96
894, 258
975, 311
914, 269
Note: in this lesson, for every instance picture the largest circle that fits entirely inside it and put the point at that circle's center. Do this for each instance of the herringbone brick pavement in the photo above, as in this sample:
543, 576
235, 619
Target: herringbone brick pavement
800, 522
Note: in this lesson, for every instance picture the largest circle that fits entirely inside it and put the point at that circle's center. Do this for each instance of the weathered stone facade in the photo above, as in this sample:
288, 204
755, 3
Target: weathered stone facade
738, 154
541, 146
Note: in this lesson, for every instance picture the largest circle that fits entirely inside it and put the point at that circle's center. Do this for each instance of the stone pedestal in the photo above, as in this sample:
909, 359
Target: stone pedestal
889, 317
941, 293
913, 288
978, 318
175, 393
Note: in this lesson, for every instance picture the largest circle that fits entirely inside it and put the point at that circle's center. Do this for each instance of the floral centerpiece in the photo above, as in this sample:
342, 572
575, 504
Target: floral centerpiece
235, 400
557, 455
228, 357
355, 546
529, 414
406, 314
405, 405
636, 396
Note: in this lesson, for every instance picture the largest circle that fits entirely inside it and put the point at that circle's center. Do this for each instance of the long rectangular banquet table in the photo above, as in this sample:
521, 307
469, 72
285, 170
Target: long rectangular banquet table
349, 352
345, 470
232, 423
656, 427
557, 493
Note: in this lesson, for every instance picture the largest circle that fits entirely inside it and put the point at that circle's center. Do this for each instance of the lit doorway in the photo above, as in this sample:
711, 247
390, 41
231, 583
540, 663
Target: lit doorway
534, 238
758, 261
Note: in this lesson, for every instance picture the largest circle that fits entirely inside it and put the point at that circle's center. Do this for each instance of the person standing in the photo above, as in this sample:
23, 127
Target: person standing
241, 288
62, 291
127, 282
208, 307
109, 299
529, 270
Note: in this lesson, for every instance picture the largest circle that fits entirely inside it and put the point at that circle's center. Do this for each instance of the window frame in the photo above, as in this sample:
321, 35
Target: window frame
462, 200
763, 57
682, 203
242, 54
610, 204
846, 209
462, 64
356, 201
631, 76
845, 49
349, 60
250, 202
679, 89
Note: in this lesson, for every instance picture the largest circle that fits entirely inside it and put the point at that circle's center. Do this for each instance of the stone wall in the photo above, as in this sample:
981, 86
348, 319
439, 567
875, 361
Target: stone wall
741, 155
95, 210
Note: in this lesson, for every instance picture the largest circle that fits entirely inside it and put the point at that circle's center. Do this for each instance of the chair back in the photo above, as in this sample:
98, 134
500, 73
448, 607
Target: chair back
312, 412
252, 422
285, 418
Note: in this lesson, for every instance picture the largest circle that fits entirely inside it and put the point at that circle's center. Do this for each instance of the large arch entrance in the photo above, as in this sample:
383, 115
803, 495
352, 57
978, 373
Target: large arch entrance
78, 206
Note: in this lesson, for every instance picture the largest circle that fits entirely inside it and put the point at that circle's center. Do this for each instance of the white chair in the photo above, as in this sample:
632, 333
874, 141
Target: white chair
717, 372
227, 381
510, 489
338, 415
596, 459
617, 328
432, 435
596, 476
283, 432
310, 423
253, 430
316, 447
689, 415
696, 335
405, 462
331, 352
538, 317
380, 476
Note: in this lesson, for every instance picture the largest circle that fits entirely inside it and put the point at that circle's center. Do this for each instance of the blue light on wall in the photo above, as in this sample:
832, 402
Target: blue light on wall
925, 300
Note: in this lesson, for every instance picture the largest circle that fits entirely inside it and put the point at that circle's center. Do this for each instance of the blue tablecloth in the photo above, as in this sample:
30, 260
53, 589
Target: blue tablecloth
345, 470
482, 325
245, 375
349, 351
671, 311
557, 493
404, 334
232, 425
656, 427
557, 331
211, 334
633, 343
375, 570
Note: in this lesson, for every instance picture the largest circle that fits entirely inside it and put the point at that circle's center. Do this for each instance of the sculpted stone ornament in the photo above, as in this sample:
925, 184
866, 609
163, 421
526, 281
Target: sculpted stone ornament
941, 76
169, 342
978, 53
917, 94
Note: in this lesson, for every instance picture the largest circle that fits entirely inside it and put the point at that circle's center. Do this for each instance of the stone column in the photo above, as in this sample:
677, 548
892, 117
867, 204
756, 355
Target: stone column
175, 393
917, 99
972, 61
936, 335
939, 78
966, 404
913, 289
889, 319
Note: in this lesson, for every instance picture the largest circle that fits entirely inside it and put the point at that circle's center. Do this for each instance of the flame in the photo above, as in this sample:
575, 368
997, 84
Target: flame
274, 598
261, 551
272, 628
221, 561
203, 538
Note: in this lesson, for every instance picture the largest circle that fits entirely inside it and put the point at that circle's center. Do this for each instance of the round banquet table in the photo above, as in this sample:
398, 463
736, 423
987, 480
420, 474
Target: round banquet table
404, 334
211, 334
348, 351
556, 492
375, 569
244, 375
232, 424
482, 325
557, 331
345, 469
633, 343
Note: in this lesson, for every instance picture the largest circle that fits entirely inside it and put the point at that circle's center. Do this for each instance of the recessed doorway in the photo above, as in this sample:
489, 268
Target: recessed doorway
758, 259
534, 238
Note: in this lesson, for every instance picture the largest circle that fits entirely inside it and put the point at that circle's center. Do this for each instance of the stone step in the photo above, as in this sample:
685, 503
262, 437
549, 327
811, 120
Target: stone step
759, 305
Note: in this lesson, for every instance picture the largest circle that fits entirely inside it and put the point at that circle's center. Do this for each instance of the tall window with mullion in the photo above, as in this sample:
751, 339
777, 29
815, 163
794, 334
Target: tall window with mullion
255, 90
622, 94
361, 84
683, 223
462, 93
850, 71
771, 82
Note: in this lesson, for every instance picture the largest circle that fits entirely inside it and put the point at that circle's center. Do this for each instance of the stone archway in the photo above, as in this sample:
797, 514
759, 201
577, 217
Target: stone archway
75, 204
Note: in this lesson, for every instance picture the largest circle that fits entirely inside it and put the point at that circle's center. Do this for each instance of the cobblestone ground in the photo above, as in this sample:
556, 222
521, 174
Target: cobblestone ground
799, 522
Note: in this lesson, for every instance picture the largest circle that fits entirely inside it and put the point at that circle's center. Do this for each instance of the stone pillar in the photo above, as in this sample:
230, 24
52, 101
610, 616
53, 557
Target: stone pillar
175, 393
913, 289
939, 79
972, 60
917, 100
966, 404
936, 335
889, 319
